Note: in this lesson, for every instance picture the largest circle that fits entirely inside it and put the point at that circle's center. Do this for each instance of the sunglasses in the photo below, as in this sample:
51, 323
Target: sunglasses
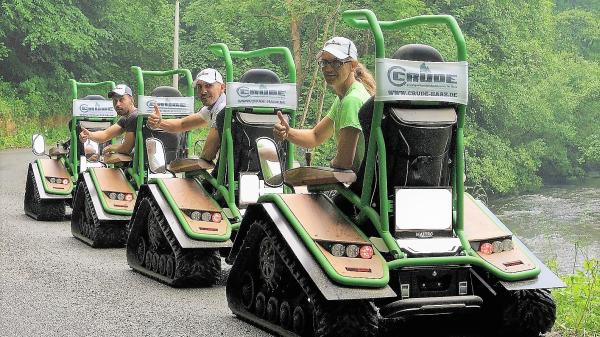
335, 64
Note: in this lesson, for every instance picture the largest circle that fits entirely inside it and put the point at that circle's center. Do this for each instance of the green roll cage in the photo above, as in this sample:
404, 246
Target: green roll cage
226, 150
366, 19
137, 171
73, 160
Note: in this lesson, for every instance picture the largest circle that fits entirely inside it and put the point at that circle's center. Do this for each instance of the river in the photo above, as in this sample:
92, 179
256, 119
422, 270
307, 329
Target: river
559, 223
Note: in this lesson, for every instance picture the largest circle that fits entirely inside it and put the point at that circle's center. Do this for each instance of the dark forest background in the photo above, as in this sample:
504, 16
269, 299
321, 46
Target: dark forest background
534, 67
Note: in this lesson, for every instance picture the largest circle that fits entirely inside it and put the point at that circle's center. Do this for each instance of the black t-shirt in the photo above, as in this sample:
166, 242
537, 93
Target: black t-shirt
128, 123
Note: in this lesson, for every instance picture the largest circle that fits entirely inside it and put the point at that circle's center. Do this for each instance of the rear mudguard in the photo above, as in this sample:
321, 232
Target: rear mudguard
109, 181
100, 212
330, 289
46, 168
185, 240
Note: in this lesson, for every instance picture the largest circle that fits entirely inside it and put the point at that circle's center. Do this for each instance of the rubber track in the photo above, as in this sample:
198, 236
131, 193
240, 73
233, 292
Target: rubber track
193, 267
527, 313
34, 206
102, 234
339, 318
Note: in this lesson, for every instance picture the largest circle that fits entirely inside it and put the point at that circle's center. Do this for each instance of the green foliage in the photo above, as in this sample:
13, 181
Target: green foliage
578, 305
534, 67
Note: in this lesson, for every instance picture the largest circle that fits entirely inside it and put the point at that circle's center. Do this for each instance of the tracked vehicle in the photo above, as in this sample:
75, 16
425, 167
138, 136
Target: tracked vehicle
49, 186
181, 224
305, 268
106, 195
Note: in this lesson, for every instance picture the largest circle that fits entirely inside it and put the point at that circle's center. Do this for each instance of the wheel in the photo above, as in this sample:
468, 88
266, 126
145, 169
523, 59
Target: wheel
247, 290
170, 266
273, 309
259, 305
298, 320
269, 264
155, 258
141, 250
285, 315
148, 260
526, 313
162, 264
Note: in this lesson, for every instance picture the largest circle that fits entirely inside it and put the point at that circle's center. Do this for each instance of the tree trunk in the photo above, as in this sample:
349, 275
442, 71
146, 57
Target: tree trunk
295, 35
322, 98
316, 71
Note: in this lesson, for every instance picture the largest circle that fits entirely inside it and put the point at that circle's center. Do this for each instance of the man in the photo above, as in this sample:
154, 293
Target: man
123, 103
210, 88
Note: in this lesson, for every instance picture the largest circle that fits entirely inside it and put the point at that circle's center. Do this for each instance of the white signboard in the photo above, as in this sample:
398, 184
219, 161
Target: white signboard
421, 81
93, 108
273, 95
167, 105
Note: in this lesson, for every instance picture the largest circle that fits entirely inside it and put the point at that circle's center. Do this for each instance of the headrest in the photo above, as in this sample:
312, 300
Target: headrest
418, 52
94, 98
260, 76
165, 91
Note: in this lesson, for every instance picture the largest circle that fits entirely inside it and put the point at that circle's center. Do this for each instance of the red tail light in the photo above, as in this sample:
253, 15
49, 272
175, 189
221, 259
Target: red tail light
486, 248
217, 217
366, 252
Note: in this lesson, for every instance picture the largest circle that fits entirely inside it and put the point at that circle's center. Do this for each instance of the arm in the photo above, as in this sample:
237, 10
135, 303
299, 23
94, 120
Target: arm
101, 136
307, 138
310, 138
125, 147
212, 145
346, 148
186, 123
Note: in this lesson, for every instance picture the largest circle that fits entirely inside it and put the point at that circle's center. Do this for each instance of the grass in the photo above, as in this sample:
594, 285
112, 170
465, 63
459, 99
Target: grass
17, 134
578, 305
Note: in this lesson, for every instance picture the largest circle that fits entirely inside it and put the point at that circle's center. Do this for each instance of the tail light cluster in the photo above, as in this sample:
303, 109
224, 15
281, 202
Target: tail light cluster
54, 180
208, 216
352, 250
496, 246
120, 196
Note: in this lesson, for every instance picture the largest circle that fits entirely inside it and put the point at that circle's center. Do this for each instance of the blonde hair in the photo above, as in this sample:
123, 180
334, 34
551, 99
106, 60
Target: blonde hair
364, 76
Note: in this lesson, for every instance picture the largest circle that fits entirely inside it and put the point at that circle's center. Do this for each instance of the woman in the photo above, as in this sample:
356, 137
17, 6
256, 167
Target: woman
353, 85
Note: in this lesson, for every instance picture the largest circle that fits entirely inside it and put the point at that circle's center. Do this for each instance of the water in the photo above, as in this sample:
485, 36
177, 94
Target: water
558, 223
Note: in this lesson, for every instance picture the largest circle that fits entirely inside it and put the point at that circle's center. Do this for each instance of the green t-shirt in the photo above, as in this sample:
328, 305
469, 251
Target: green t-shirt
344, 113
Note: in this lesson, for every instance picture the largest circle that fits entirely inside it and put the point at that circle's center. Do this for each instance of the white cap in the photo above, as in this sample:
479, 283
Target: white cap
341, 47
120, 90
208, 75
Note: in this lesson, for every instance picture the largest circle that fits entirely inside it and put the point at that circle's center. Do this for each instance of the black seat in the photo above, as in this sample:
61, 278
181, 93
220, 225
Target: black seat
418, 135
175, 144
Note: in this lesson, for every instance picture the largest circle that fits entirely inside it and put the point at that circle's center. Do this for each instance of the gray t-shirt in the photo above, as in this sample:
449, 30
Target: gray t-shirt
210, 114
128, 123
